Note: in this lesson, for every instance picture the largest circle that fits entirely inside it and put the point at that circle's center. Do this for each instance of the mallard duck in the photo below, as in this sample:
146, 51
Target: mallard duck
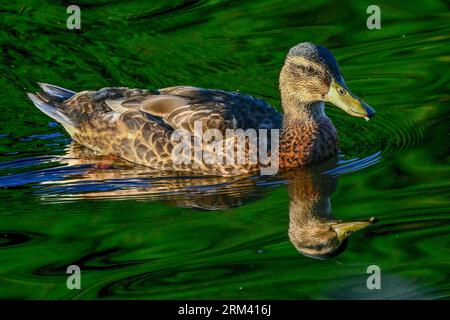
137, 124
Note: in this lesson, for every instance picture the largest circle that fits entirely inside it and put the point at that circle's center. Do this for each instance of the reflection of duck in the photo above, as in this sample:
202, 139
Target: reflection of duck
136, 125
312, 229
118, 179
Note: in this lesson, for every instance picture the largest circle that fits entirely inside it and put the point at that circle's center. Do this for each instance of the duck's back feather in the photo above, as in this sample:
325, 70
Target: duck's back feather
181, 107
137, 124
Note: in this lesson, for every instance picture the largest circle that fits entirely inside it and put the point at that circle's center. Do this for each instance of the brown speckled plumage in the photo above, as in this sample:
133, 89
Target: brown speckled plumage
137, 125
307, 142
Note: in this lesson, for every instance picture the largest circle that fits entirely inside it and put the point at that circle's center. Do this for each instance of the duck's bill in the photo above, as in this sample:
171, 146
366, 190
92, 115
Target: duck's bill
344, 229
343, 98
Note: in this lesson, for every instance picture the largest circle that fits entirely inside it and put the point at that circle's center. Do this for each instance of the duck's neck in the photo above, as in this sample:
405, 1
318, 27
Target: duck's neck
309, 205
307, 134
296, 110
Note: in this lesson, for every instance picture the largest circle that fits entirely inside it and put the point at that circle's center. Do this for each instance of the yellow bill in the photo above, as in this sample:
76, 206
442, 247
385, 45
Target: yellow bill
344, 229
343, 98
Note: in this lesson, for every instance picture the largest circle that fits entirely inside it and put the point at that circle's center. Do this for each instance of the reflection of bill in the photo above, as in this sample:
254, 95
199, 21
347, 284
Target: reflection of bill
257, 148
313, 230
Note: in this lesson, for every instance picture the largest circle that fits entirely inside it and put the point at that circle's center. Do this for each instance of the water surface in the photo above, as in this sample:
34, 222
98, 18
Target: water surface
141, 235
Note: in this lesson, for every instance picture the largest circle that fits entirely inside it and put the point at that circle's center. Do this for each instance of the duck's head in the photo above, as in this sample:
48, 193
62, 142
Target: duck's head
324, 240
311, 74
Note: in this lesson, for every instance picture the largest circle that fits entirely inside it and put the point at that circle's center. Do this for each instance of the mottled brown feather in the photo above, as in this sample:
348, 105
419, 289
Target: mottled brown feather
136, 125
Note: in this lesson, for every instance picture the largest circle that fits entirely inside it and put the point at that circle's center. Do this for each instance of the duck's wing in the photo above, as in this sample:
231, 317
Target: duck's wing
185, 107
175, 107
131, 134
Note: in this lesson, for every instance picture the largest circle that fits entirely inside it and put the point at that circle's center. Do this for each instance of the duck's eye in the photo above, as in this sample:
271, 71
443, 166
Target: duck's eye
309, 70
319, 247
342, 92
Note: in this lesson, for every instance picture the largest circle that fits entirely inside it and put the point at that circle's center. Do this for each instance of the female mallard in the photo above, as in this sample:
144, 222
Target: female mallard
137, 125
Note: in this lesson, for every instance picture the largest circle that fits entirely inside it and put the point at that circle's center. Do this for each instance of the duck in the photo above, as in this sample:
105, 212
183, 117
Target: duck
138, 125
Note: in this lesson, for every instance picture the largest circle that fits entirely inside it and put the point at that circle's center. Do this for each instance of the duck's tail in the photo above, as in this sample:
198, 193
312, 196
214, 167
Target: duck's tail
51, 102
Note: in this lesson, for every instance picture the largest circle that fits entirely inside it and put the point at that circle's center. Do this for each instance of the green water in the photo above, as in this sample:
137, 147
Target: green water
138, 236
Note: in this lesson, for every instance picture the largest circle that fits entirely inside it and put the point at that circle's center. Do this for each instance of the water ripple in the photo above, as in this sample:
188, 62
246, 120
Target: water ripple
70, 178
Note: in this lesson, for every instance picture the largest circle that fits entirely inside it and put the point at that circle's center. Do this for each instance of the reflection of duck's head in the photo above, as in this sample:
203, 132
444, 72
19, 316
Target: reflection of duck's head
324, 240
312, 229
